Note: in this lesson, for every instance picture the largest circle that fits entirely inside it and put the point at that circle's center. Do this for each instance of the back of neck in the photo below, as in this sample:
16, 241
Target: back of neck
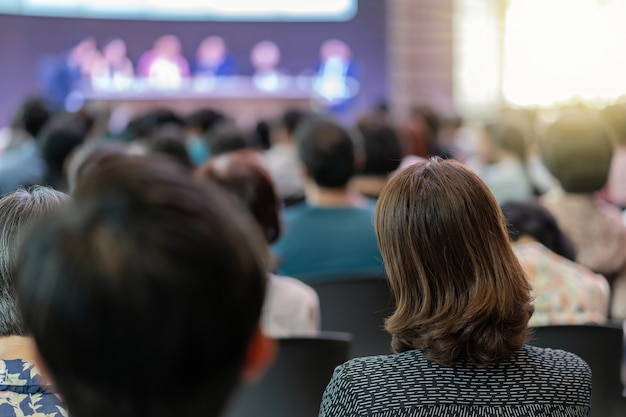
333, 197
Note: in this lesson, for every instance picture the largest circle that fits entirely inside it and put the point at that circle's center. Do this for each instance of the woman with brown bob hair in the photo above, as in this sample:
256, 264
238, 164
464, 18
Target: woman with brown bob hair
462, 309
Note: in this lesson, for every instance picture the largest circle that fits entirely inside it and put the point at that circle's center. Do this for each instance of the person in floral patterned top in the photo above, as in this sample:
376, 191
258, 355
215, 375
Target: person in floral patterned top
565, 292
23, 390
578, 151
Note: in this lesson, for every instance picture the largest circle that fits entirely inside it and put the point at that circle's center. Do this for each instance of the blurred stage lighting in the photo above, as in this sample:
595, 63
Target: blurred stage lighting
240, 10
563, 51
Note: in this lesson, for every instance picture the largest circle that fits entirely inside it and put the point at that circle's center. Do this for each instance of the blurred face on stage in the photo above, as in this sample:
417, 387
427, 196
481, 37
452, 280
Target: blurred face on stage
211, 50
336, 49
115, 51
168, 45
265, 55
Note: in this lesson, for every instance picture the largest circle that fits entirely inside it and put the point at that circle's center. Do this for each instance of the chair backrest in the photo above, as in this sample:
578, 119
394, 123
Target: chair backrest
294, 384
602, 348
358, 306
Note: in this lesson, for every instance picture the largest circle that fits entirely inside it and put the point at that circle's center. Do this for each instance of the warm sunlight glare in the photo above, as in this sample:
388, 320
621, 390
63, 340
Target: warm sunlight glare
556, 51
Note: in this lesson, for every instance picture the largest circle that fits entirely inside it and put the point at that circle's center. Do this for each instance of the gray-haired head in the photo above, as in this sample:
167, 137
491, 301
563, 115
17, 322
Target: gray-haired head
18, 210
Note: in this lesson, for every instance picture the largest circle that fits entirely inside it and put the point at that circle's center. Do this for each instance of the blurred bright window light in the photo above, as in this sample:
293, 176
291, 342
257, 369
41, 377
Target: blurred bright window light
300, 10
560, 51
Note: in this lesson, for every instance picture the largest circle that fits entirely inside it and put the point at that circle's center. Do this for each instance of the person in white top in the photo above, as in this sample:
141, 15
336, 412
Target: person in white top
291, 307
281, 159
502, 149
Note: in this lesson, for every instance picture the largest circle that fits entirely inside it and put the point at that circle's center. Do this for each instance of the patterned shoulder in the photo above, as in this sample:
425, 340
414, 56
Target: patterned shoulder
561, 364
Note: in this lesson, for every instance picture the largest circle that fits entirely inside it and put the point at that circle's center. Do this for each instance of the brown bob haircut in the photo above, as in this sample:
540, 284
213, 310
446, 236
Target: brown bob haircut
460, 291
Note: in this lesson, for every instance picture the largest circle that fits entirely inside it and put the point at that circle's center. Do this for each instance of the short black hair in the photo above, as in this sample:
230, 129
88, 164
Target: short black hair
577, 150
145, 124
32, 115
144, 294
204, 119
326, 149
226, 137
383, 150
58, 140
292, 118
169, 140
532, 219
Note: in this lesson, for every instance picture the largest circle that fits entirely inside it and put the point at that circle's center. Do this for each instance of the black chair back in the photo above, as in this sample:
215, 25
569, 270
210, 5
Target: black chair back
358, 306
294, 384
601, 347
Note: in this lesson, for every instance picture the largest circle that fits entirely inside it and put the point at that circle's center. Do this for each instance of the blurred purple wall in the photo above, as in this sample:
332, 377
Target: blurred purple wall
25, 41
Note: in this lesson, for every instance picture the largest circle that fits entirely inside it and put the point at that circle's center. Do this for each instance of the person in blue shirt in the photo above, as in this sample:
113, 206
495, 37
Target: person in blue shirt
330, 235
214, 59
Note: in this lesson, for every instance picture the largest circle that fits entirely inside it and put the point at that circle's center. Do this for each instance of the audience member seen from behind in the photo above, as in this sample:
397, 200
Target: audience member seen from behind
167, 140
577, 151
199, 125
564, 291
502, 150
330, 235
383, 155
25, 392
20, 160
281, 159
59, 139
148, 123
291, 307
462, 309
148, 277
226, 137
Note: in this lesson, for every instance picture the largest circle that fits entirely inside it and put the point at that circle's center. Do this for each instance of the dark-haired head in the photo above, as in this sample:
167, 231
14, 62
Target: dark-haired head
291, 119
59, 139
226, 137
326, 150
144, 274
383, 150
532, 220
144, 125
31, 115
168, 140
203, 120
459, 295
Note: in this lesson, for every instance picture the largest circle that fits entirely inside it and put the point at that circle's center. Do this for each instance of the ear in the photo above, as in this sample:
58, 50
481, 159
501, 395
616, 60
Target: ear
262, 351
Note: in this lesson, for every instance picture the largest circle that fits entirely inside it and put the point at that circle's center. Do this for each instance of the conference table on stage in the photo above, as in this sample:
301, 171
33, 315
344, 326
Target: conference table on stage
246, 99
